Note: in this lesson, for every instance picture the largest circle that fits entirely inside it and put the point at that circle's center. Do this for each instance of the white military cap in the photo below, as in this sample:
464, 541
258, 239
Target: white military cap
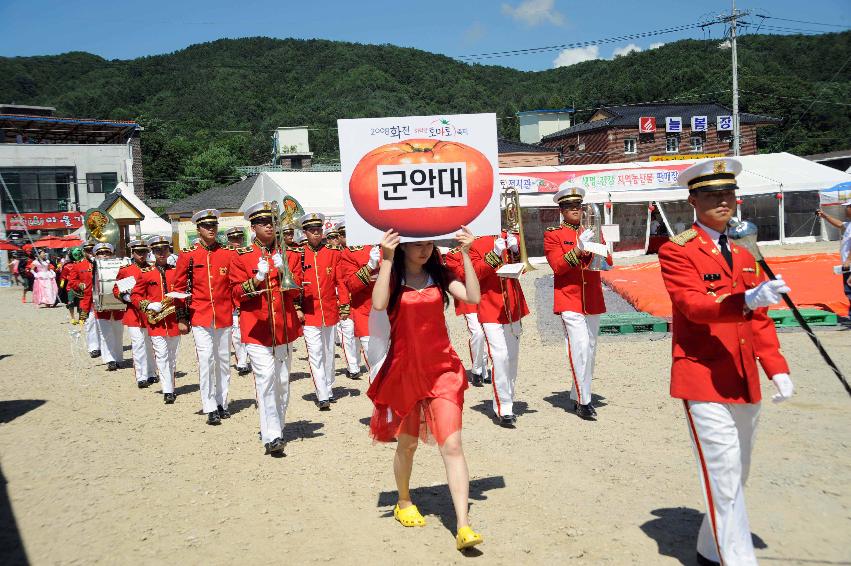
235, 231
158, 242
206, 215
137, 244
331, 231
711, 175
569, 191
310, 220
258, 210
103, 246
341, 225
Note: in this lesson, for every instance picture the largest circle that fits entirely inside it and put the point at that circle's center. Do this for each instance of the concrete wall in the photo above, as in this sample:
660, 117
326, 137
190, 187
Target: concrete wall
93, 158
531, 159
535, 126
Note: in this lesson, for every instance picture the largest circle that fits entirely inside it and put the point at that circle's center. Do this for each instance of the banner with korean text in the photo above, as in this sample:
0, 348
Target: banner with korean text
44, 221
596, 180
423, 176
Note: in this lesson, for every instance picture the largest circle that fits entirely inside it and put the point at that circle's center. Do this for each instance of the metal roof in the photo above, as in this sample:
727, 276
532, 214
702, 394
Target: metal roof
51, 129
225, 198
548, 111
511, 146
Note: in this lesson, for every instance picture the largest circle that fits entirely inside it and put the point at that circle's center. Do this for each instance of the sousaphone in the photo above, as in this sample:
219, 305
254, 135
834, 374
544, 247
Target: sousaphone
102, 227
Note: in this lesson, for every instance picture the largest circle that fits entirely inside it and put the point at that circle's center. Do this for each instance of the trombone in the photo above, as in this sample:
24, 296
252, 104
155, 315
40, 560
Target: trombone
281, 219
509, 203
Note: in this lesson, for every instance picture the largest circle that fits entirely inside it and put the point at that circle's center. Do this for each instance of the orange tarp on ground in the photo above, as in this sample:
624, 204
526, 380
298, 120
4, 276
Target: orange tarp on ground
811, 277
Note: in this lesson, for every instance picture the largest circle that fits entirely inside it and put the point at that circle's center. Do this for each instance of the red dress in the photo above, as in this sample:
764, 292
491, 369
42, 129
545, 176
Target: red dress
422, 378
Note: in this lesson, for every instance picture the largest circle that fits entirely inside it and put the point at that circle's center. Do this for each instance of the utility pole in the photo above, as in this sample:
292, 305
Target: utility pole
733, 20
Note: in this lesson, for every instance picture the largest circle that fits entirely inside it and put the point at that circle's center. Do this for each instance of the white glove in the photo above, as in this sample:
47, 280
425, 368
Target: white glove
511, 242
262, 270
784, 386
156, 307
374, 257
766, 293
277, 261
125, 297
172, 260
499, 246
585, 236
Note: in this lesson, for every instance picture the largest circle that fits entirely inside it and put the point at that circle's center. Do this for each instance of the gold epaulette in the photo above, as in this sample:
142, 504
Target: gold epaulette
333, 247
230, 247
454, 250
355, 248
683, 238
189, 249
296, 249
245, 250
551, 228
146, 269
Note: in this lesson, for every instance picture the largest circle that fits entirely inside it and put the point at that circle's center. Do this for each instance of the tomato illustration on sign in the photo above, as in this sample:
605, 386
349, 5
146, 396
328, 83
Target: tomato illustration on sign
421, 222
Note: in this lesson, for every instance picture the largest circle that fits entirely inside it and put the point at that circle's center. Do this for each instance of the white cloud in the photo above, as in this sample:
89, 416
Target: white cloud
576, 55
626, 50
475, 32
535, 12
656, 45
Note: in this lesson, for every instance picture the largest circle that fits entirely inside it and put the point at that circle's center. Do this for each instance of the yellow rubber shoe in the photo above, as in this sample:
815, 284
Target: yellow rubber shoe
409, 516
467, 538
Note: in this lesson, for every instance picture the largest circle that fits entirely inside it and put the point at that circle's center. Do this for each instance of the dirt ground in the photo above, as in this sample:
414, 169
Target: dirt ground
95, 470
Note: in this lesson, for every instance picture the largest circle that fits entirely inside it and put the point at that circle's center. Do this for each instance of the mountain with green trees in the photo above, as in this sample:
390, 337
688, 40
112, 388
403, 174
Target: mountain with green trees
212, 106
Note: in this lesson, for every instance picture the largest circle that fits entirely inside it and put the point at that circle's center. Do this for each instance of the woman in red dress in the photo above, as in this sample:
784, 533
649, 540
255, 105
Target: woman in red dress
418, 392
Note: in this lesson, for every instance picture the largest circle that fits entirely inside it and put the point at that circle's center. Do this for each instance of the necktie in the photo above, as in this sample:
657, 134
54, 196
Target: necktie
725, 251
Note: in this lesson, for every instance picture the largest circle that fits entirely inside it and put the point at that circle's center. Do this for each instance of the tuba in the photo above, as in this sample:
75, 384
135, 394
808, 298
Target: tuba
290, 207
101, 226
592, 220
509, 203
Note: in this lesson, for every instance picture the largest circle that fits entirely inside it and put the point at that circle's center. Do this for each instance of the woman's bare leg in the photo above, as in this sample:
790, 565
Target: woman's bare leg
457, 476
403, 464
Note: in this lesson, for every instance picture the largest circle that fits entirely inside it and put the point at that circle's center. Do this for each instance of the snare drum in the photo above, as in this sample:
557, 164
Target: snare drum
106, 273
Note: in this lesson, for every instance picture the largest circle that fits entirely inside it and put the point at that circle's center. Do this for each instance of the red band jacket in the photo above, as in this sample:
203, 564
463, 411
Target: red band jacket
267, 315
132, 316
319, 300
575, 288
151, 287
454, 262
211, 304
502, 299
354, 274
716, 339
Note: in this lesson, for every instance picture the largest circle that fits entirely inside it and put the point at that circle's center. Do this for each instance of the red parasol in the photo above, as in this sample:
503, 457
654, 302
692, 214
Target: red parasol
8, 246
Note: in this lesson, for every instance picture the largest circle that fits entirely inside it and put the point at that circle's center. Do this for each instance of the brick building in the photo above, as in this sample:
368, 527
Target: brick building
519, 154
613, 135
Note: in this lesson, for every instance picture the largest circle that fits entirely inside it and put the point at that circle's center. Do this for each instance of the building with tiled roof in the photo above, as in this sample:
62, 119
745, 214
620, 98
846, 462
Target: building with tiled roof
518, 154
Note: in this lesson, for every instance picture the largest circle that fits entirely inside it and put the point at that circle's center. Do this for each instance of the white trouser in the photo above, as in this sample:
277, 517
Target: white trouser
92, 333
112, 338
144, 362
165, 350
580, 341
320, 354
478, 347
238, 346
213, 348
503, 342
346, 330
272, 381
722, 435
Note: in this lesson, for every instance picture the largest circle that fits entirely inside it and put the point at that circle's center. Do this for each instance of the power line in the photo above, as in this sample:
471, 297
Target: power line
795, 98
800, 21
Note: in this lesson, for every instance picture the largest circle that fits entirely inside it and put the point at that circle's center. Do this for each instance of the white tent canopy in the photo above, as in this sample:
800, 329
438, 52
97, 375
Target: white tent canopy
315, 191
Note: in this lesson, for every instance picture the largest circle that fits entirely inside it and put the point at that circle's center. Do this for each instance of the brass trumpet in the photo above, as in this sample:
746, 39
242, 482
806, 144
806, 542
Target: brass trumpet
168, 308
282, 219
509, 203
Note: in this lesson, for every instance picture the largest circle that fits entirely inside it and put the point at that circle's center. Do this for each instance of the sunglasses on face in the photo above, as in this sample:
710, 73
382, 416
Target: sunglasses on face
161, 250
262, 222
209, 225
570, 206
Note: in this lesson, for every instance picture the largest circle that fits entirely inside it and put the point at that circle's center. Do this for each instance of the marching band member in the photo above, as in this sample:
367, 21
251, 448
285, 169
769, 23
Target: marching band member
577, 294
289, 238
346, 326
109, 324
149, 296
319, 305
236, 239
202, 271
80, 280
332, 236
476, 343
144, 362
357, 271
267, 318
500, 310
72, 301
720, 330
418, 392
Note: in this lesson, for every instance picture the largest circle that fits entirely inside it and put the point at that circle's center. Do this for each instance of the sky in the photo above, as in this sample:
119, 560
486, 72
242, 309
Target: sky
126, 30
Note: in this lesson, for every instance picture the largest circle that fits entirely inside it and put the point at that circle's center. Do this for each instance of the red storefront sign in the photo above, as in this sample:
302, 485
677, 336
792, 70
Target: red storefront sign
44, 221
646, 125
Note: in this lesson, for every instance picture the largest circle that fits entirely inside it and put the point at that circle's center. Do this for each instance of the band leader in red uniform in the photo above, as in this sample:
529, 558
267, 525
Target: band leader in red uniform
202, 270
144, 361
418, 391
577, 294
720, 330
267, 319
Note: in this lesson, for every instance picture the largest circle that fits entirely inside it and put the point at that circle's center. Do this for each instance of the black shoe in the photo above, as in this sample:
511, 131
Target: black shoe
332, 399
243, 370
142, 384
169, 398
275, 447
325, 405
94, 354
487, 375
477, 380
353, 374
507, 421
111, 366
704, 561
153, 379
213, 418
593, 411
223, 413
584, 412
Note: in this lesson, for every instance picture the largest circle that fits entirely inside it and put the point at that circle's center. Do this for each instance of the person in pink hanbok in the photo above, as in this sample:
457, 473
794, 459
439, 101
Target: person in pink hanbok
44, 282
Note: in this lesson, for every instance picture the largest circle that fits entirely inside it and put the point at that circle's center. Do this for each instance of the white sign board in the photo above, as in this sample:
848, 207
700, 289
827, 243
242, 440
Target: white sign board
699, 123
724, 123
673, 124
423, 176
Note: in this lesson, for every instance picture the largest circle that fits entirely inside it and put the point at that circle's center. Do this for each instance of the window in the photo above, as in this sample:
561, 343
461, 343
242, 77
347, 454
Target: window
672, 144
38, 189
697, 144
101, 182
629, 145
